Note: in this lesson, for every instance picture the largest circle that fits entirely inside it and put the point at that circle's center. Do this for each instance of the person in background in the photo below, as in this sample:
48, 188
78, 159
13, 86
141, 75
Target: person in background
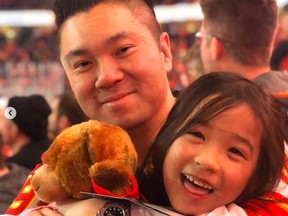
193, 62
65, 113
12, 177
247, 49
217, 147
26, 134
233, 38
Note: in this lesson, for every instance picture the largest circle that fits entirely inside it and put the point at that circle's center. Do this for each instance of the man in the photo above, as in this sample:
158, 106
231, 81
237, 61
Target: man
117, 59
117, 65
65, 113
26, 134
235, 39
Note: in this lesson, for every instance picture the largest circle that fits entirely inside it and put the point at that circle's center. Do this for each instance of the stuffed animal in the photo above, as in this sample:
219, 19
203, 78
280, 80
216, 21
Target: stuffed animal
87, 157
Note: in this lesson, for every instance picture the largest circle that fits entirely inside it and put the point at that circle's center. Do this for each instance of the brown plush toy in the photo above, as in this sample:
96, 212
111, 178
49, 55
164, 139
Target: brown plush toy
84, 154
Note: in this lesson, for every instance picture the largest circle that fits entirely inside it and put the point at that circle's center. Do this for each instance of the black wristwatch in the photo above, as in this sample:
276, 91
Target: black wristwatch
113, 209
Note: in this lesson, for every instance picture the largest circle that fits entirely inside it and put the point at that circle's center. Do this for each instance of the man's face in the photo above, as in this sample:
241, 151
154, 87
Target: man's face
116, 68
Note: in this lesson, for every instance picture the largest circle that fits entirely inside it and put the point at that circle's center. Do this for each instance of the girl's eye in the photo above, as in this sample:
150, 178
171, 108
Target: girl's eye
236, 152
197, 134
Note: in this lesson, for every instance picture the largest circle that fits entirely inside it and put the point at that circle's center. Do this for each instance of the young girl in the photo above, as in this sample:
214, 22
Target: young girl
222, 143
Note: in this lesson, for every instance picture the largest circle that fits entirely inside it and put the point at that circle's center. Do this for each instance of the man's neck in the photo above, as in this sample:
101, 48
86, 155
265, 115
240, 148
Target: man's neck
250, 72
253, 72
144, 135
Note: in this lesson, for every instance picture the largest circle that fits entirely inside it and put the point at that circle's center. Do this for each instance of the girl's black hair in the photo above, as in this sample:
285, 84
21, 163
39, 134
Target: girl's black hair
223, 90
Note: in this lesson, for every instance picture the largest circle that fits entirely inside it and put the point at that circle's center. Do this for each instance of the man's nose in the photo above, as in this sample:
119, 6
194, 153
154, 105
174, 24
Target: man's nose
108, 74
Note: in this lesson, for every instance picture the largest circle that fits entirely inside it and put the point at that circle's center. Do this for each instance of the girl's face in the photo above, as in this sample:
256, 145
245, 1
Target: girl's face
210, 165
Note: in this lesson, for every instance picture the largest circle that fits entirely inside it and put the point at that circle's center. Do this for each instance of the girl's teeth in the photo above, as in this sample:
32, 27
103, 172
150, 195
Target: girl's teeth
190, 178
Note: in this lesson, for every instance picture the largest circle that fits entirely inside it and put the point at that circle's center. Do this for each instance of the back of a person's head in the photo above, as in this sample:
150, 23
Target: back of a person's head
69, 106
64, 9
31, 115
246, 27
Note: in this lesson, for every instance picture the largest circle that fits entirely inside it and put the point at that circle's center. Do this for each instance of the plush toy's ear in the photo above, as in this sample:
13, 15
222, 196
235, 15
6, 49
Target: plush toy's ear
113, 155
47, 186
69, 159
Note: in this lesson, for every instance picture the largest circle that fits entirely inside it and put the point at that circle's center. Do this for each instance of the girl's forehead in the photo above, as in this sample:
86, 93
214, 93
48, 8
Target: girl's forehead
201, 105
219, 108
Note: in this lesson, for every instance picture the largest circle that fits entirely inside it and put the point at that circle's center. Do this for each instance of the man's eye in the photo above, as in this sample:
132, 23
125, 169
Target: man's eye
123, 50
82, 64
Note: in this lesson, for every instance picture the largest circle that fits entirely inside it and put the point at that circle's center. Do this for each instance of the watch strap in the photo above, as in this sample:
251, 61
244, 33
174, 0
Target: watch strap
132, 192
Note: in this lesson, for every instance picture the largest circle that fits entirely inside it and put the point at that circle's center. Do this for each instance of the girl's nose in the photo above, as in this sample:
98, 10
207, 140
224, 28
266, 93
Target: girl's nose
208, 160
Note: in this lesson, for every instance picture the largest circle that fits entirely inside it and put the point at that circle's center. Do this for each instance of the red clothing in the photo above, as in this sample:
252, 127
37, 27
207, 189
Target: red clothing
271, 204
26, 195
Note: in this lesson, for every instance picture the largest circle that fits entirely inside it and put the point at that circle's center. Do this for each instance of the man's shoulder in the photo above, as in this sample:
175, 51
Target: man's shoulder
273, 81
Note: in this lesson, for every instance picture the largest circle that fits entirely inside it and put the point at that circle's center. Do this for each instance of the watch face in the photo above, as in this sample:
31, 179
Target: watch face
114, 211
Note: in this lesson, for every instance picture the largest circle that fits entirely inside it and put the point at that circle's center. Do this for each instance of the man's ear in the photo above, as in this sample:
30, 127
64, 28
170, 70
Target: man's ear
217, 48
166, 51
63, 122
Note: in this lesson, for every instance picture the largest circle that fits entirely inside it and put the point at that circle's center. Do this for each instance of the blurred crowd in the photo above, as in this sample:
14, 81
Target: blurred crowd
29, 63
29, 60
27, 4
30, 4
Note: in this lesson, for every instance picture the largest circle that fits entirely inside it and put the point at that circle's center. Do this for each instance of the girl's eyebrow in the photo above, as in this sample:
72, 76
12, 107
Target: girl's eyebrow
243, 140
